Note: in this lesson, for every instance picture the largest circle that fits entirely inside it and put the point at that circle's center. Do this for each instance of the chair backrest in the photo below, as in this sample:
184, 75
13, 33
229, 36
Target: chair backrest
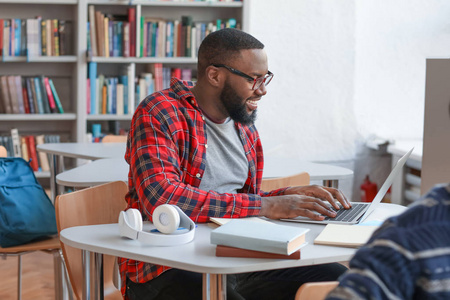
3, 152
110, 138
299, 179
96, 205
315, 290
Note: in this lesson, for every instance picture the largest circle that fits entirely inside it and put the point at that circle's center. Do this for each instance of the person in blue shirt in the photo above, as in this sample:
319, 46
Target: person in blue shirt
408, 257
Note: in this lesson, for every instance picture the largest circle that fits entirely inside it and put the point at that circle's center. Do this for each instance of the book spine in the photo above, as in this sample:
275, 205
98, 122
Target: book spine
88, 96
5, 95
43, 159
33, 153
107, 41
24, 148
126, 39
50, 37
120, 97
92, 79
55, 31
2, 22
99, 18
38, 97
31, 101
26, 102
248, 243
132, 30
224, 251
23, 36
104, 90
19, 93
43, 39
92, 30
6, 38
17, 152
51, 100
62, 37
56, 97
13, 94
45, 100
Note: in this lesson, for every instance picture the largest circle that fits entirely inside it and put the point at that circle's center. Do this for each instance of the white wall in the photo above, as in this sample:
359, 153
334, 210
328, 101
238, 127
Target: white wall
344, 71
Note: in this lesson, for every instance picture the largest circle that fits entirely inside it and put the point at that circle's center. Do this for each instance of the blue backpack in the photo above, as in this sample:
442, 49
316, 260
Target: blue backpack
26, 212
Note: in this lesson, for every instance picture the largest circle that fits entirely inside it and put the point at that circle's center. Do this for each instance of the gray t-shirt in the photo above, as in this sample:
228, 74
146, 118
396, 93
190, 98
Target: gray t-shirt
226, 164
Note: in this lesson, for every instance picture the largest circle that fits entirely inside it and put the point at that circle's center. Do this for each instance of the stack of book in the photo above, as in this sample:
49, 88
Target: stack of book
258, 239
28, 95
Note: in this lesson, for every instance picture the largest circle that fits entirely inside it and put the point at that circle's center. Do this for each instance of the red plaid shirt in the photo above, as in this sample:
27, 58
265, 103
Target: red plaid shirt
166, 152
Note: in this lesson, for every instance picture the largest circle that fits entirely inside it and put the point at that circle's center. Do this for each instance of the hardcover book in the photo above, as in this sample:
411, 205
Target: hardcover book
226, 251
260, 236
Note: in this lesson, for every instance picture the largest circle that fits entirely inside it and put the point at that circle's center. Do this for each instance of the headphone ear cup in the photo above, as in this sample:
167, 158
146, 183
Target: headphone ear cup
134, 219
166, 218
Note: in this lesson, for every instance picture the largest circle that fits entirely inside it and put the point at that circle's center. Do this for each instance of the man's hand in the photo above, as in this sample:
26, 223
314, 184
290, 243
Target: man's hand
307, 201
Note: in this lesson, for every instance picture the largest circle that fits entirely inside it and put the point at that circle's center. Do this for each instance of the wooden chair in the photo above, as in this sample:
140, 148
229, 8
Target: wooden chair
50, 245
315, 290
270, 184
95, 205
110, 138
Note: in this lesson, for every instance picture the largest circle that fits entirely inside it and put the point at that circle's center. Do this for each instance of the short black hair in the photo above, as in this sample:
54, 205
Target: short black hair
221, 46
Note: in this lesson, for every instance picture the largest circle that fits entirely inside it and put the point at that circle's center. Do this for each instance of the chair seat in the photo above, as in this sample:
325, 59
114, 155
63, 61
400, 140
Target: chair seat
45, 244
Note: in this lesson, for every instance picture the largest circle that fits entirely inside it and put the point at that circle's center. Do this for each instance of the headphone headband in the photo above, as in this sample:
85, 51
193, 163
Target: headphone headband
167, 219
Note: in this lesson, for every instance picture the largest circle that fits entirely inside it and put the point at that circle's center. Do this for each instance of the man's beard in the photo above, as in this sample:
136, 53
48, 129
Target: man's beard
234, 106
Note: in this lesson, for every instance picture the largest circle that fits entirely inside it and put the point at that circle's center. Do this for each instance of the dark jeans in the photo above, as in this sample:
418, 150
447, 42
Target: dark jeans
276, 284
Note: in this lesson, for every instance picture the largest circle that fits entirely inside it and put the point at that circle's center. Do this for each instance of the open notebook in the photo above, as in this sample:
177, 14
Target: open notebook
360, 210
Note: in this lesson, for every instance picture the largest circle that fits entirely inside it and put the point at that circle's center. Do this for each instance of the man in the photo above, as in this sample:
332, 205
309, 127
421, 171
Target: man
197, 147
408, 257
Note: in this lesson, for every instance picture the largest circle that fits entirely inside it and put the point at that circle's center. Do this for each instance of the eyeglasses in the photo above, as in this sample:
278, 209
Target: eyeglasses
257, 82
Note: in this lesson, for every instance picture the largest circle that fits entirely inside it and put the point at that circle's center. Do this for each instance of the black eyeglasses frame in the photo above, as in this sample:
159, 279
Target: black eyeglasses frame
260, 80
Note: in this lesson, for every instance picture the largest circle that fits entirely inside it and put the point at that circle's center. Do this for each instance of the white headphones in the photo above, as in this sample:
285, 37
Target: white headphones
167, 218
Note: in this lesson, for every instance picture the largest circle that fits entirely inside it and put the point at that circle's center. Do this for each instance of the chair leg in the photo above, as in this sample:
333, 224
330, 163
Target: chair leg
57, 270
66, 291
19, 277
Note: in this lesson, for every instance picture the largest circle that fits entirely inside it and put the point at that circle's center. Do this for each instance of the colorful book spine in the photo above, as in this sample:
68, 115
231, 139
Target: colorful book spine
56, 97
31, 102
38, 97
92, 79
45, 100
34, 163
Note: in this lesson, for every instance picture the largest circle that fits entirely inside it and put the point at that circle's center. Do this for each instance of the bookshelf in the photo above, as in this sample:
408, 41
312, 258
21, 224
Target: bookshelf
70, 72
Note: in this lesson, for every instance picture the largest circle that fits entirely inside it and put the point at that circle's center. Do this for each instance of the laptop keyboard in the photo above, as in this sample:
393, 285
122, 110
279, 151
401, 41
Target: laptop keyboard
347, 215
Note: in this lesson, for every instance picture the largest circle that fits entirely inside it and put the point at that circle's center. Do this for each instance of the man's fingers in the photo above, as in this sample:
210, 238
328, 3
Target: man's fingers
339, 196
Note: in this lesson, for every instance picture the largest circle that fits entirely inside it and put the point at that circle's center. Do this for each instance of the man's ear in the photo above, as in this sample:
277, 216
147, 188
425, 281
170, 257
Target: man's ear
214, 76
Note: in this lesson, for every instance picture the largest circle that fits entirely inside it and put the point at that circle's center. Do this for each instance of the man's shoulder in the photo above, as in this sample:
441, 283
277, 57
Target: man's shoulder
175, 97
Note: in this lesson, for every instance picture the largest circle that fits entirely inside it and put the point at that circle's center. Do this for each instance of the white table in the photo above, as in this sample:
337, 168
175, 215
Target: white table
90, 151
198, 256
116, 169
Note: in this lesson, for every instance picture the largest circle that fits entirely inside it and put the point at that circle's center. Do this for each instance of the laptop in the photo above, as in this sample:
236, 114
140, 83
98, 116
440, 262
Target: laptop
360, 210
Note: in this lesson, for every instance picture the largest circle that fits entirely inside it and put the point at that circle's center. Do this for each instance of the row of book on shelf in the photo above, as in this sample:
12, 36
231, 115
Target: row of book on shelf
25, 146
28, 95
35, 37
113, 95
114, 35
